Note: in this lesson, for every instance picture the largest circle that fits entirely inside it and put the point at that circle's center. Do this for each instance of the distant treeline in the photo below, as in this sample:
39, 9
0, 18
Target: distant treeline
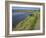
24, 10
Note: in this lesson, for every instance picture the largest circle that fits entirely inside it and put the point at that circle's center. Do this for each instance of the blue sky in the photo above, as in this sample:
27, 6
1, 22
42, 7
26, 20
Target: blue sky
25, 8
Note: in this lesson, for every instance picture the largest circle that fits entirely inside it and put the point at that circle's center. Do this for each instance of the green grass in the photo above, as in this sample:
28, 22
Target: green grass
28, 23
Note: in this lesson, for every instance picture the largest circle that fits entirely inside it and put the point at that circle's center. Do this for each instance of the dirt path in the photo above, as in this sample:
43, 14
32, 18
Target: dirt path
37, 26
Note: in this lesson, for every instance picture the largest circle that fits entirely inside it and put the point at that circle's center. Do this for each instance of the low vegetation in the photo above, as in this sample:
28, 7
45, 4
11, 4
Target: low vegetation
29, 22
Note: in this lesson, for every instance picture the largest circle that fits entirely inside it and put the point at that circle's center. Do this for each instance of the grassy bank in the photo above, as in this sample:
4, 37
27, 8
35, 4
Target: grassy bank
29, 22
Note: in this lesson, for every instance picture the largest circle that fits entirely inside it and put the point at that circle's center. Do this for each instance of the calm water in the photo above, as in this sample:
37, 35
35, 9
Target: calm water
19, 16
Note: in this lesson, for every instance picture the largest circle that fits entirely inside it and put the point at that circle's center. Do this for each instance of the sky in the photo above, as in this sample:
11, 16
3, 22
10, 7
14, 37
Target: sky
25, 8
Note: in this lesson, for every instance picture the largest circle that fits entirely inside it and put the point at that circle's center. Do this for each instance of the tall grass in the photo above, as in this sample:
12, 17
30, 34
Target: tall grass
28, 23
